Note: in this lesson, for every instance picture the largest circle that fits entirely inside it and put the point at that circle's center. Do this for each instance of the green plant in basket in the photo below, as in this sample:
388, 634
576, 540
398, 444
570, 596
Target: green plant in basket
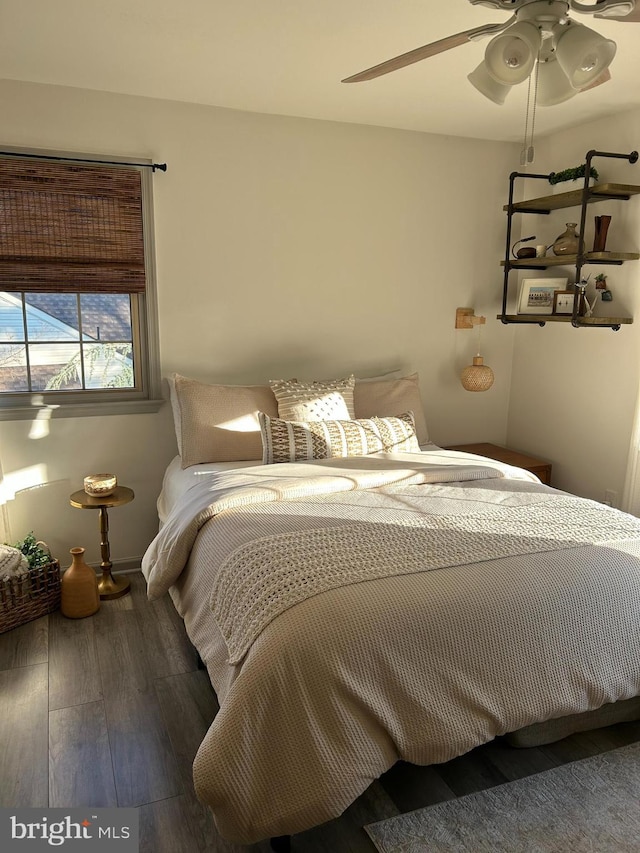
36, 555
572, 174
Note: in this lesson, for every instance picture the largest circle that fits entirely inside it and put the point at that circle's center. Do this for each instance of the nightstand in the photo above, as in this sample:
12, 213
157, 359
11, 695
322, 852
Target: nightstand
539, 467
108, 586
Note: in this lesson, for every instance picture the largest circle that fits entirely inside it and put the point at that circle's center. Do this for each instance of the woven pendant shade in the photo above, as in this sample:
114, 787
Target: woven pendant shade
477, 376
70, 228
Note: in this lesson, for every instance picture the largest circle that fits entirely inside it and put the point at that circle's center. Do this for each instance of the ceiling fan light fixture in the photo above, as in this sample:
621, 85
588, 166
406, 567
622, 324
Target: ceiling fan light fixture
553, 84
583, 54
511, 55
487, 85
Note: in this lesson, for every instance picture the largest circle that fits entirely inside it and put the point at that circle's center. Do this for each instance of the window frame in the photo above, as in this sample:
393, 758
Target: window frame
23, 405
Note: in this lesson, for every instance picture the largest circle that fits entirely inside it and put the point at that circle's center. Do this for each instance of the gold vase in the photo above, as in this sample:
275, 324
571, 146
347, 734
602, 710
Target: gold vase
79, 588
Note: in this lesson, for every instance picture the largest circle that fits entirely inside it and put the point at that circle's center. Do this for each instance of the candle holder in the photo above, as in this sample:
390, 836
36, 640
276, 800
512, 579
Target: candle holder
100, 485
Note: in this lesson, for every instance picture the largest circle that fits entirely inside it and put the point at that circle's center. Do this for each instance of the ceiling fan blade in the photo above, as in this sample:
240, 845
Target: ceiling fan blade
603, 78
426, 51
631, 17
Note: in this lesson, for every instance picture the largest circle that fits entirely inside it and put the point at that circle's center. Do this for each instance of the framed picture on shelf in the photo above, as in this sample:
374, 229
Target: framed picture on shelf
537, 294
563, 302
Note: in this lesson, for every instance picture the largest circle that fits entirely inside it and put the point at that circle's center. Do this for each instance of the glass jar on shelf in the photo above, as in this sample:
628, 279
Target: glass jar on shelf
567, 242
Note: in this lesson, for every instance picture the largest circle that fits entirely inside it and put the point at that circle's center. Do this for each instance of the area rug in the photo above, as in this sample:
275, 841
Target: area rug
587, 806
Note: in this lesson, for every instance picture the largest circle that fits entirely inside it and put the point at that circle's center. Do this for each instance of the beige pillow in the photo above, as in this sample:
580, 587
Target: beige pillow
218, 423
314, 401
295, 441
396, 373
384, 397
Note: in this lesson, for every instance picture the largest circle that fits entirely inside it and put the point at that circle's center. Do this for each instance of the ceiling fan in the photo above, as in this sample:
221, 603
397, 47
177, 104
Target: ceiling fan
568, 57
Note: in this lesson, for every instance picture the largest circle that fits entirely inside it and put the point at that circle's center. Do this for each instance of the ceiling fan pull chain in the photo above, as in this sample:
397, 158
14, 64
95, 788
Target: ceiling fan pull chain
525, 142
531, 150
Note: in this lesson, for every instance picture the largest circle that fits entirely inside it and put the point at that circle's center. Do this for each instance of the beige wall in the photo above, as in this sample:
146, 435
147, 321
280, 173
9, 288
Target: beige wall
573, 391
284, 247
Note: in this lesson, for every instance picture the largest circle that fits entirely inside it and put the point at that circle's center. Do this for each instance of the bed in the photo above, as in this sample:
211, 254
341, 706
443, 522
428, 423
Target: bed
364, 607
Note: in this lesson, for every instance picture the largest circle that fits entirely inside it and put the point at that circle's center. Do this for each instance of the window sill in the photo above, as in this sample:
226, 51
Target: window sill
80, 410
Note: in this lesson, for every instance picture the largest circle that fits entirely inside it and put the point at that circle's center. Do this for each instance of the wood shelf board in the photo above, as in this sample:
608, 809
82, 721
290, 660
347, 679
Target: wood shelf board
603, 257
573, 198
571, 260
565, 318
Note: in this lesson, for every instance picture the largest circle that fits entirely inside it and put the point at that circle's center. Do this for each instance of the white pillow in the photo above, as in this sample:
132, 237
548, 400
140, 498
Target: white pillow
314, 401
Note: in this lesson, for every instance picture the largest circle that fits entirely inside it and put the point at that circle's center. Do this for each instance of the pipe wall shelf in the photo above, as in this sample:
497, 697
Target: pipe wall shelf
541, 319
614, 258
573, 198
581, 198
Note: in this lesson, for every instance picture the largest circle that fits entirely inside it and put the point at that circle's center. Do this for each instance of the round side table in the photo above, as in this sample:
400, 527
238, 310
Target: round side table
108, 586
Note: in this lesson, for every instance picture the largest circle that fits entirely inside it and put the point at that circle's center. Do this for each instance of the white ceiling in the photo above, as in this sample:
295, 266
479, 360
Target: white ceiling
288, 57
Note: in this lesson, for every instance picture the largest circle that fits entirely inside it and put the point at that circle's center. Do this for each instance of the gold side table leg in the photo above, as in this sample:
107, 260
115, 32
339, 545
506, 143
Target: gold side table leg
108, 586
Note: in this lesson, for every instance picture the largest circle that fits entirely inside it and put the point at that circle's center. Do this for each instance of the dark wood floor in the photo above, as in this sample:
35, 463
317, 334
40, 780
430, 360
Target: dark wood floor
110, 710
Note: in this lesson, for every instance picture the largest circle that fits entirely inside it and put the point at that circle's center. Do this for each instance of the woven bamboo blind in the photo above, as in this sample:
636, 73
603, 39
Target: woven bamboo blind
70, 227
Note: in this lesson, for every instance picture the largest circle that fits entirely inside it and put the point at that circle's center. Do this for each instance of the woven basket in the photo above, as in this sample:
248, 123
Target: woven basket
30, 596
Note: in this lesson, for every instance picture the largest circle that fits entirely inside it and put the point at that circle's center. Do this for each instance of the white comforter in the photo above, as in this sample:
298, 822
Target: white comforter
326, 692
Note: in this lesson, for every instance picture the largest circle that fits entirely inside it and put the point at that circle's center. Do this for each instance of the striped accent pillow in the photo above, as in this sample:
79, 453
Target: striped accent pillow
314, 401
300, 441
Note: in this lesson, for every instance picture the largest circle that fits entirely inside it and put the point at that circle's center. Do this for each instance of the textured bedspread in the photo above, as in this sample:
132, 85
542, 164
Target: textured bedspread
420, 619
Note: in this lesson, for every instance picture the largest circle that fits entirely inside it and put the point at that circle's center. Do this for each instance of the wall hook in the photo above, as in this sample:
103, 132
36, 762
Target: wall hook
466, 319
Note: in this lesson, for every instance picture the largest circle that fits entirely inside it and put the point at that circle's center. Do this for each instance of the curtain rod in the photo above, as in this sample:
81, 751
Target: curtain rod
152, 166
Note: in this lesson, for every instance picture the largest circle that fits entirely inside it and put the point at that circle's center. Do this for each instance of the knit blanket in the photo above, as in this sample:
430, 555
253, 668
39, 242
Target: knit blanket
265, 577
269, 574
167, 555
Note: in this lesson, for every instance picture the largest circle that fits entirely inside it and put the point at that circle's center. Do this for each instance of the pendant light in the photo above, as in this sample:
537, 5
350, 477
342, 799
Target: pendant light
477, 376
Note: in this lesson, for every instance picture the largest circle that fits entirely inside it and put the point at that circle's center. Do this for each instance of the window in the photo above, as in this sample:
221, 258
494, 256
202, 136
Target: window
78, 329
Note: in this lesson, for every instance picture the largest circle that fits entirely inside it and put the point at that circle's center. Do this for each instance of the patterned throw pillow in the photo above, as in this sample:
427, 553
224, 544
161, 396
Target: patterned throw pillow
299, 441
314, 401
